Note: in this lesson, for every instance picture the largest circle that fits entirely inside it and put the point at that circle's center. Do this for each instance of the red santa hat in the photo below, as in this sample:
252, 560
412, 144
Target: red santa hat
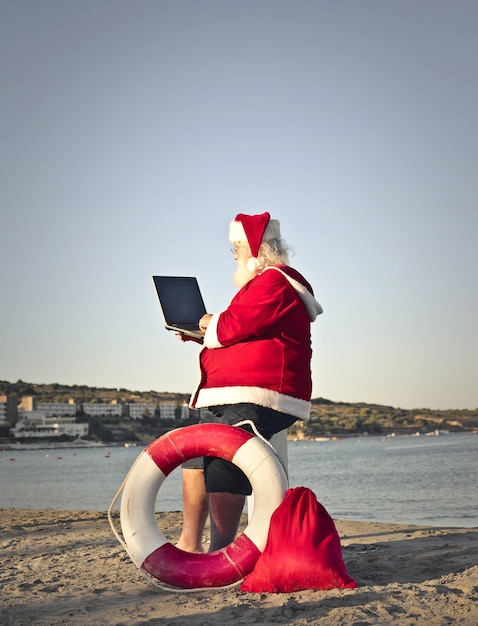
253, 229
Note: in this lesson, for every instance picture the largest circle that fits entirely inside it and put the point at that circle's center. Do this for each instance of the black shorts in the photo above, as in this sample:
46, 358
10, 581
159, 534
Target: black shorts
222, 475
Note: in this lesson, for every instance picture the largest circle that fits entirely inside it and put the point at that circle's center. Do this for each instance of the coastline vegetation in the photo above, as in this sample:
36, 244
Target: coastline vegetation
328, 418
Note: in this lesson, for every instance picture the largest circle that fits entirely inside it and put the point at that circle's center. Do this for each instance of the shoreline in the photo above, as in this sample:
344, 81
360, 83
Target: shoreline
87, 444
60, 445
66, 567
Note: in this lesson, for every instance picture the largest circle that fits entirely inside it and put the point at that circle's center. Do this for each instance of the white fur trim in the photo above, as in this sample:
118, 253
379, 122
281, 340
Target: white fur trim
313, 307
257, 395
255, 264
210, 337
237, 232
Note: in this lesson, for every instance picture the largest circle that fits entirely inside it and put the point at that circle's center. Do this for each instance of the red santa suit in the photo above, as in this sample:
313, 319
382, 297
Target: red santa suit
259, 350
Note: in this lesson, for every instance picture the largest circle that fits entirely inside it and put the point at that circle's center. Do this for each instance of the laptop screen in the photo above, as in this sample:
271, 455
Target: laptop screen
180, 299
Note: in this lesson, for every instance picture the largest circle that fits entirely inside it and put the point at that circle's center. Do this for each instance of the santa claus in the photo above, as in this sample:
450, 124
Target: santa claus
255, 359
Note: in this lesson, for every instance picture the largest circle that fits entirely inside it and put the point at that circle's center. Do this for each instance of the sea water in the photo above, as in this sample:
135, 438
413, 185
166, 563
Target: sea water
404, 479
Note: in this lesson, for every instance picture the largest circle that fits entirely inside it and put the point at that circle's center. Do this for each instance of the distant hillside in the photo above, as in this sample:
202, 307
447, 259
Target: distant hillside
327, 417
54, 392
341, 417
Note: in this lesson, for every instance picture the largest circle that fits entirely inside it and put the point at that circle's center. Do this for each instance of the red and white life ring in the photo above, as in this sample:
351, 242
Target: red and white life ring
148, 547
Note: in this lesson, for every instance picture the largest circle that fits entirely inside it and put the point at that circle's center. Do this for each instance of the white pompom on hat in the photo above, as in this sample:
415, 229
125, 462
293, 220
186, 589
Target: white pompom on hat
254, 229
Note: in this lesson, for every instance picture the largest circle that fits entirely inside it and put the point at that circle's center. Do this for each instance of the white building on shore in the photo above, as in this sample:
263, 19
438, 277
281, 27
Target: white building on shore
104, 409
137, 410
31, 418
163, 410
33, 424
65, 409
28, 404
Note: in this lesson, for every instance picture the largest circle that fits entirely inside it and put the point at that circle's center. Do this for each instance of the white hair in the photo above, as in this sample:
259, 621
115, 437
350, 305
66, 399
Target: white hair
274, 252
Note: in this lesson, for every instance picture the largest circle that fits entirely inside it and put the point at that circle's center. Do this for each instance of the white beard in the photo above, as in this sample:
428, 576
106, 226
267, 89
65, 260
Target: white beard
243, 275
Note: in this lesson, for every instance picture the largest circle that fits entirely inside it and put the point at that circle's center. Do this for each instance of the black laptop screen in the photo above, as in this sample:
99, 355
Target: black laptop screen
180, 299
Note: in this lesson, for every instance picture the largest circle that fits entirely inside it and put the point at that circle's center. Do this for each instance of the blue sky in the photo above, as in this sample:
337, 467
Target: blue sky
131, 133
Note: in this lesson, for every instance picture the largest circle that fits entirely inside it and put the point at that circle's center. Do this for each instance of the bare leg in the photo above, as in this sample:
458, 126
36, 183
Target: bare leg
225, 510
195, 511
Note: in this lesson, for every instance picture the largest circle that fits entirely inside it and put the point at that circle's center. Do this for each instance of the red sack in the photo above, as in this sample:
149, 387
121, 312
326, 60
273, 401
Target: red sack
303, 549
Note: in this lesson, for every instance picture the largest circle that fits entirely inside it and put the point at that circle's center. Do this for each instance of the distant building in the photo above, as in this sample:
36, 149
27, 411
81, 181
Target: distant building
38, 425
104, 409
169, 410
29, 408
8, 409
137, 410
30, 403
163, 410
63, 409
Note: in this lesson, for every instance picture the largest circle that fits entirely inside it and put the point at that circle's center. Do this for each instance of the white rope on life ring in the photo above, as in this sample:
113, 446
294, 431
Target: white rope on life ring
147, 546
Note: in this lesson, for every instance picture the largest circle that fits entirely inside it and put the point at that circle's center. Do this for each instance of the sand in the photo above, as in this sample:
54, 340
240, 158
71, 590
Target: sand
66, 567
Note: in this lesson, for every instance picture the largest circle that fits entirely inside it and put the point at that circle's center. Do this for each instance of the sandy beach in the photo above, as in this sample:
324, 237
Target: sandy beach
66, 567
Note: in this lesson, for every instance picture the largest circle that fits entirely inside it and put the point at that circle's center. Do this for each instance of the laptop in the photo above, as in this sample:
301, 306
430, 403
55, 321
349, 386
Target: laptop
182, 303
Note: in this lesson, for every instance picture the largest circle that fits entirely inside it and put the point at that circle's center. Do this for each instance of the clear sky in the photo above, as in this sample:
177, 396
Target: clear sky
131, 133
